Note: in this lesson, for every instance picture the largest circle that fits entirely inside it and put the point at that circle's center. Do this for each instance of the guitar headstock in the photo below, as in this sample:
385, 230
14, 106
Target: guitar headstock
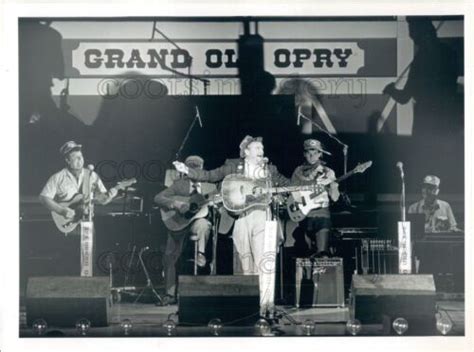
126, 183
360, 168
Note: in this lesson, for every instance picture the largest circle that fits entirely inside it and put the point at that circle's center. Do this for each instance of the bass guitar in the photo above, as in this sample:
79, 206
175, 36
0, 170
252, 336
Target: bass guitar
300, 203
79, 204
198, 208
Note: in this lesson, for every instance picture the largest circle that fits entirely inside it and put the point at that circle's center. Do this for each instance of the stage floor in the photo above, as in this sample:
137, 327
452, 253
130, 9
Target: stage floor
148, 319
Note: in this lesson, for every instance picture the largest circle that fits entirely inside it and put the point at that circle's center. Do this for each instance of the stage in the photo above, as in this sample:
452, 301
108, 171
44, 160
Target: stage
147, 321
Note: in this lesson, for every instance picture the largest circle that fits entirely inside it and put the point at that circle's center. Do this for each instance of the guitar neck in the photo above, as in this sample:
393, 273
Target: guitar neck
278, 190
309, 187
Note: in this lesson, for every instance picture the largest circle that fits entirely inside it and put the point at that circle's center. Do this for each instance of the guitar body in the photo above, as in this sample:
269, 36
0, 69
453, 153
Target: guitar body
68, 225
175, 221
78, 204
240, 193
299, 204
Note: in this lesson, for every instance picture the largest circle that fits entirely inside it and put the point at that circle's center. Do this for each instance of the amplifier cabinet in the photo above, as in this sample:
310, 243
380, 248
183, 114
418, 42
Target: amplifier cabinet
319, 282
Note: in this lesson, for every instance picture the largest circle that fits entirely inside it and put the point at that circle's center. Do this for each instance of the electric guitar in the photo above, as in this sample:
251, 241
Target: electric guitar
198, 208
79, 204
300, 203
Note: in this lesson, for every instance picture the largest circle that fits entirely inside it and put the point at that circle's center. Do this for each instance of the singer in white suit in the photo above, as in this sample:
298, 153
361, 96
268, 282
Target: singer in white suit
250, 227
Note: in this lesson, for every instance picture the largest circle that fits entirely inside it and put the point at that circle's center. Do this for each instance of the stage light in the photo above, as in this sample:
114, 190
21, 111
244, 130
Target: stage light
126, 326
400, 325
353, 326
40, 326
82, 326
263, 328
308, 327
170, 327
443, 324
215, 326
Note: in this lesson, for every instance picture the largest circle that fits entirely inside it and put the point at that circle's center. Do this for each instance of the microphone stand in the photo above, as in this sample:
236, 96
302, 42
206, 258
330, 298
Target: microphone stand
197, 117
149, 284
402, 200
205, 82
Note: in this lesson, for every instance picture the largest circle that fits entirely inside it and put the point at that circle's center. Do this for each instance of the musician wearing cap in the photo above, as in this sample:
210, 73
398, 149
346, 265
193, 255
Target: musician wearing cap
439, 216
317, 223
71, 180
173, 198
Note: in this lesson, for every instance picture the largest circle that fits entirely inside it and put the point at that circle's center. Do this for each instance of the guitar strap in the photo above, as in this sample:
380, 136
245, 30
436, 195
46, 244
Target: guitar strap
87, 231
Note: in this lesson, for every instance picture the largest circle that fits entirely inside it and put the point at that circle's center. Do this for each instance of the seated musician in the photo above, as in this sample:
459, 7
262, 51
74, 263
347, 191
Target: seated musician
317, 224
439, 216
199, 230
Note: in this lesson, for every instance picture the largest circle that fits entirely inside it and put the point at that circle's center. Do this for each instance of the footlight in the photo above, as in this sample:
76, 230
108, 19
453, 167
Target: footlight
82, 326
215, 326
308, 327
126, 326
263, 328
170, 327
40, 326
353, 327
400, 325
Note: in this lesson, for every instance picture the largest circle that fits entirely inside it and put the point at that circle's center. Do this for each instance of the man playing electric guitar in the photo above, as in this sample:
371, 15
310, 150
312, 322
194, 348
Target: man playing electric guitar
317, 223
197, 230
64, 185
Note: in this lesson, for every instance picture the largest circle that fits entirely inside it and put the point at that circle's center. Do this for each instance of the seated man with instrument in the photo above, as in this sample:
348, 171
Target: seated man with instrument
72, 180
438, 214
184, 221
317, 223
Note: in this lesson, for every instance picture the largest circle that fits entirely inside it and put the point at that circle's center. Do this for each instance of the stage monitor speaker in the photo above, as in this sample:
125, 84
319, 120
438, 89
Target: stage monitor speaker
375, 298
62, 300
233, 299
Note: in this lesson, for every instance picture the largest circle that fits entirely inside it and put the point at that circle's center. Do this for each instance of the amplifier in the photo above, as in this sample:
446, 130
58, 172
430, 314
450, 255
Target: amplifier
319, 282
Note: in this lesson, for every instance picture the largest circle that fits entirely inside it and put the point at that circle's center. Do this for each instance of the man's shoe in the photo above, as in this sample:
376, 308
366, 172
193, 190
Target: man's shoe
168, 300
201, 260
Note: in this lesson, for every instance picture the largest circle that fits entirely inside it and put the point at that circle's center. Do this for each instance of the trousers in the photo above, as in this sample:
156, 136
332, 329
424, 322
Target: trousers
174, 247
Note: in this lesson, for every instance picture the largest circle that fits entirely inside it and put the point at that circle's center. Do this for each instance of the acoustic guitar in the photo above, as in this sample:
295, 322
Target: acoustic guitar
198, 208
79, 204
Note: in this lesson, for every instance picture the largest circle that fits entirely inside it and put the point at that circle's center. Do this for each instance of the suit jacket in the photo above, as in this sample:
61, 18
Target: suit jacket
234, 166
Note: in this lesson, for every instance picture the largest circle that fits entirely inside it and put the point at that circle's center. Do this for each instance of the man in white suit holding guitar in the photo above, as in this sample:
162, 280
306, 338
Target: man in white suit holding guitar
317, 223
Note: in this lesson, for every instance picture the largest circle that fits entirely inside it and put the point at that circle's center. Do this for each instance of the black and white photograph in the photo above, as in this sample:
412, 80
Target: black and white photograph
242, 174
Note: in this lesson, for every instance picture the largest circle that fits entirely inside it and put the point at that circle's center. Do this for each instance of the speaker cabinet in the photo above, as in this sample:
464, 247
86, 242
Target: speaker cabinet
319, 282
62, 300
233, 299
378, 297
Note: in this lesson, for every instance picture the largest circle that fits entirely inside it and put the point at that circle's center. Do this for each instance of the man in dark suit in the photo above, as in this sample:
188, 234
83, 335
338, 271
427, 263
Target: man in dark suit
199, 230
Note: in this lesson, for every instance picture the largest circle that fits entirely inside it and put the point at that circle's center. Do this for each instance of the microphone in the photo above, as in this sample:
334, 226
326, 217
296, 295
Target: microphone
400, 166
264, 160
90, 167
